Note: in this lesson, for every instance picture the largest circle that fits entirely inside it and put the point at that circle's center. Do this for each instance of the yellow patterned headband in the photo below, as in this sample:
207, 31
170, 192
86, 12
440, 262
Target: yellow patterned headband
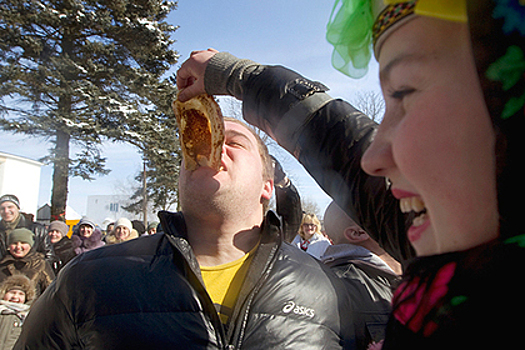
450, 10
391, 14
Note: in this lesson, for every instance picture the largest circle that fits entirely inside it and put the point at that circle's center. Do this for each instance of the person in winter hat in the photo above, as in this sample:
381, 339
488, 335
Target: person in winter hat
22, 285
57, 230
87, 236
13, 200
13, 218
63, 246
152, 228
122, 231
23, 259
16, 293
21, 235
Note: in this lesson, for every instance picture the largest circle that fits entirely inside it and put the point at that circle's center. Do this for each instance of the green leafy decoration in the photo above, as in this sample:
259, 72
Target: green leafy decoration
519, 240
509, 70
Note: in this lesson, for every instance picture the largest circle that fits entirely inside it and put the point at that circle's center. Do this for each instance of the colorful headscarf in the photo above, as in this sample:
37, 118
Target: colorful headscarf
355, 24
497, 31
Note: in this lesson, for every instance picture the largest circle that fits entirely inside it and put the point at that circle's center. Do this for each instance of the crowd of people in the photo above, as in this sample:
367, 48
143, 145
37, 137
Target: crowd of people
430, 193
33, 253
26, 271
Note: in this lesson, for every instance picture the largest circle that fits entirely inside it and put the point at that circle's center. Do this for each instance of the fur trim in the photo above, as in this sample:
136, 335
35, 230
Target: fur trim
84, 244
112, 239
22, 282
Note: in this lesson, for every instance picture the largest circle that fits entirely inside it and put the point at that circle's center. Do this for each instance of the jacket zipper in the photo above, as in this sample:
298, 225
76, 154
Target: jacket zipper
267, 269
207, 299
201, 290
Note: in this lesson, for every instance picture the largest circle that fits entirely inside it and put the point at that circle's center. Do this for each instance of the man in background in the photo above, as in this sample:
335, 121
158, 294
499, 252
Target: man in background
13, 218
369, 273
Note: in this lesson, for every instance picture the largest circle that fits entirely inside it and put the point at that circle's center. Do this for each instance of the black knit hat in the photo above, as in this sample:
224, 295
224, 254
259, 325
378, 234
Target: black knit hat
10, 198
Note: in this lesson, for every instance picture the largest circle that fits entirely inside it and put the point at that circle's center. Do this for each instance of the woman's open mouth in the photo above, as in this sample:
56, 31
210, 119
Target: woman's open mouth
415, 205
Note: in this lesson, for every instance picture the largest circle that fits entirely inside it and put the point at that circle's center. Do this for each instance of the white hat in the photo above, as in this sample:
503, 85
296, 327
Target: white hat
124, 222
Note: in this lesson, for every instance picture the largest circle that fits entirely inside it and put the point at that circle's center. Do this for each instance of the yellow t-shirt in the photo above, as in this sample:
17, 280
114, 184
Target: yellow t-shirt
224, 282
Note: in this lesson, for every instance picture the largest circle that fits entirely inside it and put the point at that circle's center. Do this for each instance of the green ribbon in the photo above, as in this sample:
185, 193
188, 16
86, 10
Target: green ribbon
349, 30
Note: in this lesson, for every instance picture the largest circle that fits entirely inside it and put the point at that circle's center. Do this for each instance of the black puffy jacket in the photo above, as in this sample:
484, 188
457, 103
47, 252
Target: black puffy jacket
148, 294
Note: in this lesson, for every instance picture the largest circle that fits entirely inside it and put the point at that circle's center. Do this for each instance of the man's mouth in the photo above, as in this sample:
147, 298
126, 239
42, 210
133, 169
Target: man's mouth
416, 205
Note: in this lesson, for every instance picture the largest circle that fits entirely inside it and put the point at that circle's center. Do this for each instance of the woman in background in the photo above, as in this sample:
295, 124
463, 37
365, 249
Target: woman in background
310, 238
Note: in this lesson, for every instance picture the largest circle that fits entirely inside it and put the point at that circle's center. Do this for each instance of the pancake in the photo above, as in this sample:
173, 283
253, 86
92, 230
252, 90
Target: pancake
201, 131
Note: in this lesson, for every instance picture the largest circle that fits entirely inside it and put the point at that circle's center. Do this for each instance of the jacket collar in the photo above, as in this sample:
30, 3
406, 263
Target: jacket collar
20, 222
173, 224
8, 259
345, 253
174, 228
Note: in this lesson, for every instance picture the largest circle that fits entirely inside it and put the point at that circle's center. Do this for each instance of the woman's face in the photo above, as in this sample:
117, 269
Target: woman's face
436, 141
15, 296
86, 231
55, 236
19, 249
122, 232
309, 229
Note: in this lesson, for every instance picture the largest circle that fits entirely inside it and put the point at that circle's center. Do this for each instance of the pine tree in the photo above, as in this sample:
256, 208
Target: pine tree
161, 154
81, 71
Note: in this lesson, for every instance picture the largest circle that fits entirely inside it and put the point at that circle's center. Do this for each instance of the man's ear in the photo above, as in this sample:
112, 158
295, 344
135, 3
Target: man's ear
355, 234
267, 189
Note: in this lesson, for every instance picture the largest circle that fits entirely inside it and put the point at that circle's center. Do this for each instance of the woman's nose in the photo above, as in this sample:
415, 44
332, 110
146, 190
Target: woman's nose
378, 159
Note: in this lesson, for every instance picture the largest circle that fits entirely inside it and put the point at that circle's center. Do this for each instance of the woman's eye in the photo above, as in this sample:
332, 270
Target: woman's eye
401, 93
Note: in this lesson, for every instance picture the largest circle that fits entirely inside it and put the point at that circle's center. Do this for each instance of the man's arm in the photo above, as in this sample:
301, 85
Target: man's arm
329, 137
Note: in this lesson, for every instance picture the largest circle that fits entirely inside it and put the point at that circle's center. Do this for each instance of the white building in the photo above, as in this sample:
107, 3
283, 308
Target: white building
103, 209
20, 176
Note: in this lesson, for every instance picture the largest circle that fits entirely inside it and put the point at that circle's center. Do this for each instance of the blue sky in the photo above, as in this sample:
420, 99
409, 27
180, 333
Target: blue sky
289, 33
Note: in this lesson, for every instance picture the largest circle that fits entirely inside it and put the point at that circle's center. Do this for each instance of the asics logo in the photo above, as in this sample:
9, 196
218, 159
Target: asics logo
290, 306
